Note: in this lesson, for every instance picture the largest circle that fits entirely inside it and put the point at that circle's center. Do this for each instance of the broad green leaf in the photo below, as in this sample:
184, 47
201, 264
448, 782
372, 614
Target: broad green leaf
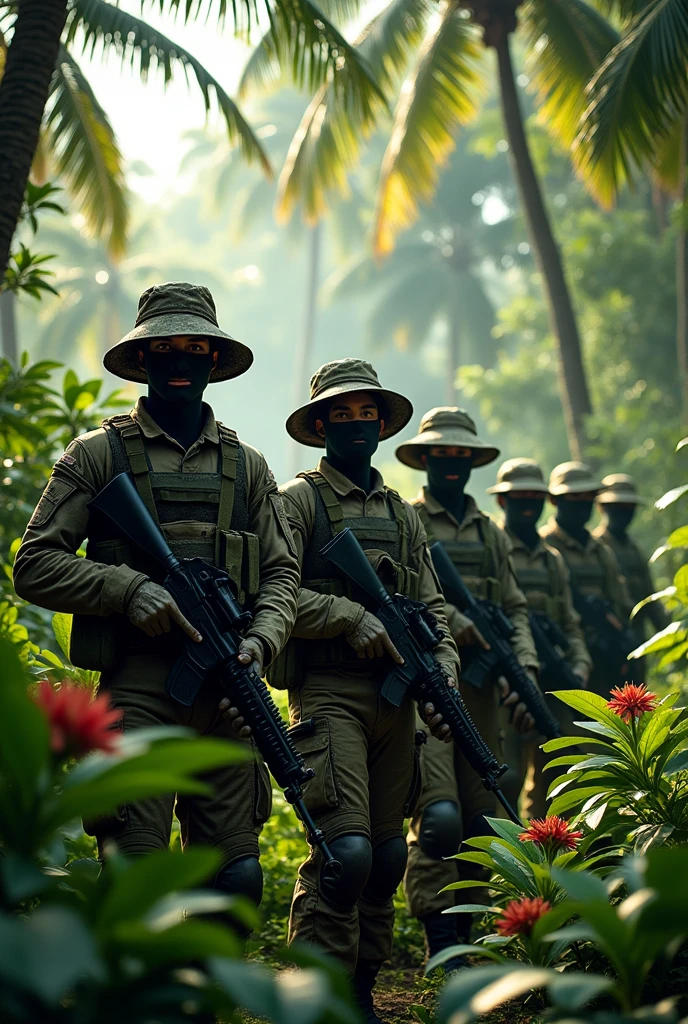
572, 799
507, 830
598, 761
678, 763
24, 739
250, 986
572, 991
567, 741
567, 759
62, 628
439, 959
512, 870
483, 859
675, 632
552, 920
657, 596
681, 584
679, 538
183, 943
648, 836
591, 705
671, 496
682, 443
469, 994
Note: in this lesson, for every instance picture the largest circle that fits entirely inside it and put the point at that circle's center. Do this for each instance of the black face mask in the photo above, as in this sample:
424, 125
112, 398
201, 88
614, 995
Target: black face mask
522, 514
441, 468
352, 441
573, 515
619, 517
161, 367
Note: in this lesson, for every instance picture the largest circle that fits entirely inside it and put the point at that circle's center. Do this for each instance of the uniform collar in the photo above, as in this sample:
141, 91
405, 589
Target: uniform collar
553, 529
150, 428
518, 545
341, 484
435, 508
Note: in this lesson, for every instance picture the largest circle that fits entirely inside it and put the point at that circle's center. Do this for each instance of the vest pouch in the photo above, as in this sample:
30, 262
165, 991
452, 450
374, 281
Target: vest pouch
96, 640
250, 569
286, 671
397, 578
232, 559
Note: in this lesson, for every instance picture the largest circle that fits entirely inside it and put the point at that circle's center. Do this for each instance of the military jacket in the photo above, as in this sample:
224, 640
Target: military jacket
322, 615
481, 552
544, 579
48, 571
593, 569
636, 572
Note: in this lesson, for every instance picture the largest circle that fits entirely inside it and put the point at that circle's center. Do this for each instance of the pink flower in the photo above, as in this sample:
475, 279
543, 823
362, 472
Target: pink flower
552, 832
519, 916
632, 701
77, 723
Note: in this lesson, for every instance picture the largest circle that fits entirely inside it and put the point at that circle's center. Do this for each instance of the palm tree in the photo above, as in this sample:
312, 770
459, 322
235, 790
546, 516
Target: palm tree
42, 34
438, 49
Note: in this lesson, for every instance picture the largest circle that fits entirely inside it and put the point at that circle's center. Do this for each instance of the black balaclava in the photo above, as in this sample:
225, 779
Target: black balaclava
618, 518
177, 410
349, 447
572, 516
447, 479
521, 516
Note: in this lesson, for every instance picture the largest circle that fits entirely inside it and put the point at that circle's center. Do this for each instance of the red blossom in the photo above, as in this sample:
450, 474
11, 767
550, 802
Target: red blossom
77, 723
632, 701
519, 916
553, 832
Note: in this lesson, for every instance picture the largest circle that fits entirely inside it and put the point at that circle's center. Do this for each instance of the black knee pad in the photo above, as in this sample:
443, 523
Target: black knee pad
355, 854
477, 826
387, 872
243, 877
440, 829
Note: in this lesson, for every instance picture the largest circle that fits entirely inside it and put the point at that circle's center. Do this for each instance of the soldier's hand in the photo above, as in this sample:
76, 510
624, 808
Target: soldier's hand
153, 609
251, 653
521, 719
232, 714
468, 635
369, 639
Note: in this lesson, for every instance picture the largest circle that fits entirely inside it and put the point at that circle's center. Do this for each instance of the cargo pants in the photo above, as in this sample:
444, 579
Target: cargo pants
230, 817
367, 779
446, 775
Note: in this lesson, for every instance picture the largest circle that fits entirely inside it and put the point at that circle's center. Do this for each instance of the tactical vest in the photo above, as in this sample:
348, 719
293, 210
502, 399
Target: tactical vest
477, 561
541, 582
632, 565
202, 515
588, 577
386, 543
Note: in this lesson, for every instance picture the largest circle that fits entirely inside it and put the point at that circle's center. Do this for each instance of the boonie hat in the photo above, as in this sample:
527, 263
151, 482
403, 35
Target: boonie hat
572, 478
343, 377
620, 488
519, 475
449, 427
176, 308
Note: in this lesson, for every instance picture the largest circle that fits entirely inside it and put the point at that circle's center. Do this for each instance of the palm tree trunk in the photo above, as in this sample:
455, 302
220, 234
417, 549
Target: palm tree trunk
453, 351
24, 89
8, 327
575, 396
682, 277
304, 350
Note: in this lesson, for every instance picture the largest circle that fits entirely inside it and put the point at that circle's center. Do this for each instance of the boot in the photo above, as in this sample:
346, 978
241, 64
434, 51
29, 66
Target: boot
440, 933
364, 979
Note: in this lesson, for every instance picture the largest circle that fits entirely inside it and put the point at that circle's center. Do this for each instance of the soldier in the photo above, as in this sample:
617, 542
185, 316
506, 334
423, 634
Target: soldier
362, 748
544, 579
617, 505
215, 498
598, 588
447, 448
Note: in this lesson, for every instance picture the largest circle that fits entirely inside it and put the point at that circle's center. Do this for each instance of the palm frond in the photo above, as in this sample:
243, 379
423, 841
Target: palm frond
637, 98
262, 73
668, 161
567, 41
405, 315
329, 139
81, 142
138, 44
441, 94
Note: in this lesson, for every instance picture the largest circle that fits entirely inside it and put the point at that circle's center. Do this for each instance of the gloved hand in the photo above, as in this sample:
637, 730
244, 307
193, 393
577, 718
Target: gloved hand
521, 719
153, 609
370, 640
467, 634
250, 653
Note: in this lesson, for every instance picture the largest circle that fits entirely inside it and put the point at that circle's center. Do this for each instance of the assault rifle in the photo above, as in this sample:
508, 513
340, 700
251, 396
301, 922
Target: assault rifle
609, 639
551, 645
205, 595
497, 630
413, 630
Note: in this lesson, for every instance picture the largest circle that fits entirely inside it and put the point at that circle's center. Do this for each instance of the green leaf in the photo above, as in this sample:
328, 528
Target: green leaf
183, 943
250, 986
681, 584
679, 538
592, 705
469, 994
565, 761
24, 738
567, 741
62, 628
678, 763
657, 596
573, 990
674, 633
570, 799
439, 959
648, 836
671, 496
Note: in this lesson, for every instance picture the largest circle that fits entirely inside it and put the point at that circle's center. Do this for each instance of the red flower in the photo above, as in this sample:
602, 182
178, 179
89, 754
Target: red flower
519, 916
553, 832
77, 723
632, 701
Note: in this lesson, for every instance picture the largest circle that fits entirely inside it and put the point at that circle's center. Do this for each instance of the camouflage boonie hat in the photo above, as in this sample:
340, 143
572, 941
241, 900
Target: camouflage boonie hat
343, 377
620, 489
176, 308
448, 427
572, 478
519, 475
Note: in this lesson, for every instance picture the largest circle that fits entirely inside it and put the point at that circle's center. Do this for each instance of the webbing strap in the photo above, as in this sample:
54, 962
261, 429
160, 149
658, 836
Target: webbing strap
399, 513
424, 518
229, 450
329, 499
132, 439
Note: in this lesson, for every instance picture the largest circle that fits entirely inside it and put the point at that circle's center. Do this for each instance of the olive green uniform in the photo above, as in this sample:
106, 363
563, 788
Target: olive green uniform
480, 551
361, 747
638, 579
593, 569
217, 501
544, 579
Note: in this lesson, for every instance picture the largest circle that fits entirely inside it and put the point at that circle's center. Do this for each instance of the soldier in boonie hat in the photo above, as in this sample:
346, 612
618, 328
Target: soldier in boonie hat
214, 498
617, 505
334, 663
448, 447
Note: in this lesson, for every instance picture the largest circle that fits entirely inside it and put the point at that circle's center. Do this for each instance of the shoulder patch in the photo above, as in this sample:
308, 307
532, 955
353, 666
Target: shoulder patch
66, 460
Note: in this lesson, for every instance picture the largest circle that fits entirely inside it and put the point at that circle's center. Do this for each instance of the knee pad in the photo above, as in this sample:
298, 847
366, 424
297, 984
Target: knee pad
440, 831
242, 877
477, 826
355, 854
387, 872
